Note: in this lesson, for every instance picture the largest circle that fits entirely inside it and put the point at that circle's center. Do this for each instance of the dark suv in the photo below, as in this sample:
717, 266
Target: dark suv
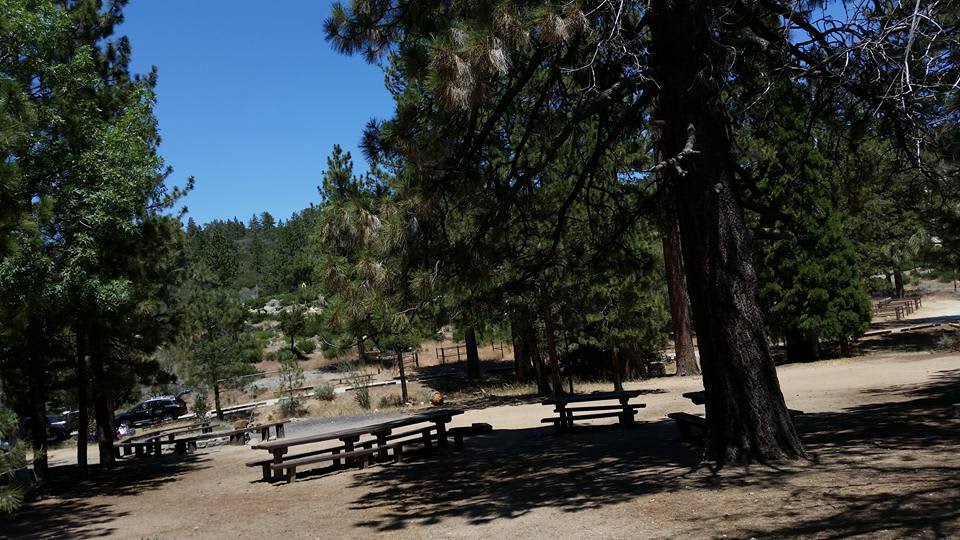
153, 410
57, 429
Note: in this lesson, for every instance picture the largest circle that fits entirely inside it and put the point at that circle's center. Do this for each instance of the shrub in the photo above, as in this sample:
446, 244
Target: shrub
290, 379
355, 375
362, 395
324, 392
200, 407
281, 356
949, 341
306, 346
393, 400
291, 406
12, 458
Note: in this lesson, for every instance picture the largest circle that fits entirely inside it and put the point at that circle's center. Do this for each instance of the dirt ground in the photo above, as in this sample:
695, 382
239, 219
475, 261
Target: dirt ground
882, 431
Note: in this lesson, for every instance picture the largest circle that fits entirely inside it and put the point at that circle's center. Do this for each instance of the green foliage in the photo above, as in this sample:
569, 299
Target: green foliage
11, 460
306, 346
356, 378
324, 392
89, 252
293, 323
200, 406
290, 379
391, 401
214, 348
811, 285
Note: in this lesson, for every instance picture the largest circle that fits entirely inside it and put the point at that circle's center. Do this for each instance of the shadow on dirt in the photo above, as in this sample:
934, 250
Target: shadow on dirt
875, 469
67, 507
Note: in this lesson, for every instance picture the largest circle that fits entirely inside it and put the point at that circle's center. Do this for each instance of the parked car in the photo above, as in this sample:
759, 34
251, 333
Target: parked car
153, 410
57, 429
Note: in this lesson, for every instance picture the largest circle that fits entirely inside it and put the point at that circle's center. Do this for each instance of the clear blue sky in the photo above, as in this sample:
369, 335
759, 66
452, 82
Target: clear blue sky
251, 99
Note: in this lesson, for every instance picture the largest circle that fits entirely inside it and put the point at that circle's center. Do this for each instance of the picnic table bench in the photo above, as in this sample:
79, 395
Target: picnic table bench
153, 445
148, 442
567, 414
240, 435
692, 427
351, 449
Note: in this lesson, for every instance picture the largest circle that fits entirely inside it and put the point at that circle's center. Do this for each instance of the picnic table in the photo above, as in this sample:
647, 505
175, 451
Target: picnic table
151, 441
693, 428
567, 414
351, 449
239, 435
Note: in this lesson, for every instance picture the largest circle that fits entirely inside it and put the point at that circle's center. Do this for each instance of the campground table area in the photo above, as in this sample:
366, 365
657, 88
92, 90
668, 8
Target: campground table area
567, 414
700, 398
693, 428
351, 448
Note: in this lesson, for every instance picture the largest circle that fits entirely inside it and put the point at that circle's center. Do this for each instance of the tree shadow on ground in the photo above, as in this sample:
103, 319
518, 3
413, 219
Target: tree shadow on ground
881, 467
66, 507
919, 341
892, 324
462, 391
876, 469
507, 473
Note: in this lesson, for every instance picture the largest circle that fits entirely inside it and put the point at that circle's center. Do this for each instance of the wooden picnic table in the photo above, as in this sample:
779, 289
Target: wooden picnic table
150, 441
566, 414
350, 438
240, 434
700, 398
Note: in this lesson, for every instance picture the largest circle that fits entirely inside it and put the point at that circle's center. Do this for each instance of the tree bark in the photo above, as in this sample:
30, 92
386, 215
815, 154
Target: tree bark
532, 349
519, 352
802, 347
898, 283
552, 351
845, 350
82, 420
216, 401
473, 356
38, 414
103, 411
747, 418
686, 359
403, 377
617, 370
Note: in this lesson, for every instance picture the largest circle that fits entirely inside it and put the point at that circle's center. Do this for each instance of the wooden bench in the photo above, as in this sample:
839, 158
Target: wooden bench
692, 427
336, 454
566, 415
352, 449
361, 457
459, 433
128, 445
154, 446
239, 436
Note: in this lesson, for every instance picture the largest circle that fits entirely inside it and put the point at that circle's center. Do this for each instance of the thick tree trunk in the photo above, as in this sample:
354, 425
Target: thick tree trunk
898, 283
360, 351
403, 377
216, 401
473, 356
552, 351
617, 370
845, 351
802, 347
686, 359
38, 415
747, 419
532, 349
82, 420
519, 353
103, 411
